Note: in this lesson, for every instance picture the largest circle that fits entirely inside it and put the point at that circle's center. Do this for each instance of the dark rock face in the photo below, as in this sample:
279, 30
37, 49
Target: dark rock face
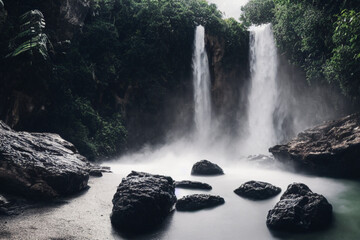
332, 148
40, 165
192, 185
198, 201
205, 167
142, 201
300, 210
72, 16
229, 79
257, 190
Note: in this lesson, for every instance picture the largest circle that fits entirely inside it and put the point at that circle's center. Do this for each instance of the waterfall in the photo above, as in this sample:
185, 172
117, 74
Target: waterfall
201, 81
264, 91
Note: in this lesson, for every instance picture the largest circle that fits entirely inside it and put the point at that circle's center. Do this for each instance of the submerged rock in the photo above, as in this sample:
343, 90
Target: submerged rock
142, 201
40, 165
332, 148
192, 185
205, 167
198, 201
97, 171
299, 209
257, 190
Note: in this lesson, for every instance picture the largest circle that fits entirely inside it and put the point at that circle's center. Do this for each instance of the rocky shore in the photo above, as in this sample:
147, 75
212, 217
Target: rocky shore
330, 149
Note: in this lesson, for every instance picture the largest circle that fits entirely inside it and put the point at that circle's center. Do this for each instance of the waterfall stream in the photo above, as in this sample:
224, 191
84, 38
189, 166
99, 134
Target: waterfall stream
263, 93
201, 81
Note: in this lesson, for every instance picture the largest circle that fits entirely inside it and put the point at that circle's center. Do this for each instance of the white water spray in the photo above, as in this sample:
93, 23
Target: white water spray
201, 80
264, 92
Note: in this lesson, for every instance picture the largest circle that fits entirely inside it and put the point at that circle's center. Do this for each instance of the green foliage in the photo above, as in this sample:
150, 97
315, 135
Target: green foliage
31, 38
321, 36
344, 65
110, 85
302, 32
77, 121
257, 12
237, 43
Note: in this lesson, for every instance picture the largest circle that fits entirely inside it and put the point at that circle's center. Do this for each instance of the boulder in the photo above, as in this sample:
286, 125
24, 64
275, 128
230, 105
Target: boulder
330, 149
142, 201
205, 167
192, 185
299, 209
40, 165
198, 201
97, 171
257, 190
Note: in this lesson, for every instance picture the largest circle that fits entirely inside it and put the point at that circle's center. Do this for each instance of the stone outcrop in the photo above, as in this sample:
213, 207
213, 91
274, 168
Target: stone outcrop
142, 201
205, 167
299, 209
198, 201
229, 78
40, 165
257, 190
332, 148
72, 16
192, 185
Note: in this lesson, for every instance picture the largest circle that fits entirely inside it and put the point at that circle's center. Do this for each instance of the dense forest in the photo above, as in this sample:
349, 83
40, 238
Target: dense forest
103, 79
104, 74
320, 36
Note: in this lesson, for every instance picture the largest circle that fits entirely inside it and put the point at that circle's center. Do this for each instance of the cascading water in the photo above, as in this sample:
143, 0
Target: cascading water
201, 81
263, 93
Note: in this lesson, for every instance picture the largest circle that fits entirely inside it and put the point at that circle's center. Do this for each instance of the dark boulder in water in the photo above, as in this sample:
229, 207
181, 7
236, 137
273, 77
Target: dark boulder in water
257, 190
95, 173
142, 201
192, 185
331, 149
205, 167
198, 201
40, 165
299, 209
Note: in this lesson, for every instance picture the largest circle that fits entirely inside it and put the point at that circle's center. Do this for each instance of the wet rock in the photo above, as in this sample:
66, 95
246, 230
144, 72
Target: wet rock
40, 165
72, 16
15, 205
198, 201
192, 185
257, 190
95, 173
205, 167
331, 149
142, 201
299, 209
